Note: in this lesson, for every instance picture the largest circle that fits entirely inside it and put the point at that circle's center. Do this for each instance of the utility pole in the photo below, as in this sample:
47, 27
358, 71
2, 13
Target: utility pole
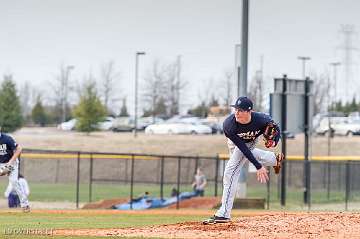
244, 47
347, 47
65, 86
335, 65
136, 90
178, 82
306, 132
304, 59
242, 188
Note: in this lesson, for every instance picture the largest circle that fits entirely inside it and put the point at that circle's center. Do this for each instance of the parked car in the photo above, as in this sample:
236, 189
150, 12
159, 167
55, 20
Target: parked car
106, 124
348, 128
200, 129
339, 126
68, 125
177, 128
123, 124
320, 116
168, 128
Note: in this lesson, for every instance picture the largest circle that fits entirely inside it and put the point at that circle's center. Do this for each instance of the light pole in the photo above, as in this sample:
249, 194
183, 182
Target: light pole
303, 59
136, 88
66, 89
334, 65
330, 131
306, 133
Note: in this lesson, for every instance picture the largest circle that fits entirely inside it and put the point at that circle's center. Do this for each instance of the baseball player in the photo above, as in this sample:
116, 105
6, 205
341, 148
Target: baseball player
9, 165
242, 130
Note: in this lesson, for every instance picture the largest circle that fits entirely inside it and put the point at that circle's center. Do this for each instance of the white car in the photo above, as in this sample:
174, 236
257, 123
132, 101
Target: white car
200, 129
107, 124
167, 128
68, 125
339, 125
177, 128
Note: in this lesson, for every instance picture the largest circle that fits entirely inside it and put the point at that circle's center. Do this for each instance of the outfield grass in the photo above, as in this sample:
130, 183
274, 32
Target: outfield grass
67, 192
42, 221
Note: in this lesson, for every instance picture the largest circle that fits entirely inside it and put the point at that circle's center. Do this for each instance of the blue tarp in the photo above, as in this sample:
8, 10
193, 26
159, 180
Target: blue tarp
147, 202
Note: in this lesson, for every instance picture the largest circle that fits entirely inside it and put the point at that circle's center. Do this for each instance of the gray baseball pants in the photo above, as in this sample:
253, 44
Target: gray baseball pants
232, 172
13, 180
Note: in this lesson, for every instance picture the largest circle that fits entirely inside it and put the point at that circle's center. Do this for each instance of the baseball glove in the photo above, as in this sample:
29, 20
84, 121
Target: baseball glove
6, 169
270, 134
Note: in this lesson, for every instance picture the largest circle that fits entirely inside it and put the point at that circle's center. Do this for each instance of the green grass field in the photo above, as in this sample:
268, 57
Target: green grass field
79, 220
67, 193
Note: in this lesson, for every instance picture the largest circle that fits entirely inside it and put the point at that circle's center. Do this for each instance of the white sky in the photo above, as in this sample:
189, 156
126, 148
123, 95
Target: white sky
38, 35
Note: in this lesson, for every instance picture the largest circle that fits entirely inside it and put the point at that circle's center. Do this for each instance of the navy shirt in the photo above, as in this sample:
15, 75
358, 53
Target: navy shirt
7, 148
240, 134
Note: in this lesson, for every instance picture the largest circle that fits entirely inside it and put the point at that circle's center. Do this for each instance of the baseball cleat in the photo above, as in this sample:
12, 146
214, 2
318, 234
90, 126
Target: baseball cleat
216, 219
279, 159
26, 209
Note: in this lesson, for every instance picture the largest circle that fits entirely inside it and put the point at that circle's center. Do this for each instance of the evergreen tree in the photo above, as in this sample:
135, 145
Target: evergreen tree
90, 110
200, 110
213, 101
123, 111
38, 114
11, 116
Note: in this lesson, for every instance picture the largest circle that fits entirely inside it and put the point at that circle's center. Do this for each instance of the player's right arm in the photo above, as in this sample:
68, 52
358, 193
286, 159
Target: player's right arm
261, 173
11, 143
244, 149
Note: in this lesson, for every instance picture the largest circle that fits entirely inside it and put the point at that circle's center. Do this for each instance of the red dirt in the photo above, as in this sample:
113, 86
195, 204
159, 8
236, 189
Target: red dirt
105, 204
198, 202
264, 225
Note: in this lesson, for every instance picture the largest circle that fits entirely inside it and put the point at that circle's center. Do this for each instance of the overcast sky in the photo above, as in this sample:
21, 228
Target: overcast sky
38, 35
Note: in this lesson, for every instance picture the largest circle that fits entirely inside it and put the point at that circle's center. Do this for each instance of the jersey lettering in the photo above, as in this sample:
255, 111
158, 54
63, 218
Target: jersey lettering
3, 149
250, 135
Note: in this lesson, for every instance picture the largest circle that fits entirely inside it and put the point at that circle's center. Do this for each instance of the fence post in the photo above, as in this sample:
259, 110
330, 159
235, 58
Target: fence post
196, 163
268, 191
328, 179
162, 178
283, 140
216, 174
77, 180
309, 162
347, 184
90, 177
132, 181
178, 183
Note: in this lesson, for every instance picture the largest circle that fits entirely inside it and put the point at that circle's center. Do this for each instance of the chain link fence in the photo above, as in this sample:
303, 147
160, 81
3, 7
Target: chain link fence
81, 177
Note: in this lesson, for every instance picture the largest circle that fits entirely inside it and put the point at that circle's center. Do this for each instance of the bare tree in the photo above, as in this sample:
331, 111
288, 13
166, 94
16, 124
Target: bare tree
163, 87
321, 91
208, 91
61, 88
256, 91
173, 91
154, 88
28, 95
227, 87
109, 78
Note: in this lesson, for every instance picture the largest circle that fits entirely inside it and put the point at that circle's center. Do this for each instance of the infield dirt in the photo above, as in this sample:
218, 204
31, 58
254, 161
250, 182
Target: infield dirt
254, 225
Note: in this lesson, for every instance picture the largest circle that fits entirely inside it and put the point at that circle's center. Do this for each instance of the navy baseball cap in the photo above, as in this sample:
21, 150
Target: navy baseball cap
243, 103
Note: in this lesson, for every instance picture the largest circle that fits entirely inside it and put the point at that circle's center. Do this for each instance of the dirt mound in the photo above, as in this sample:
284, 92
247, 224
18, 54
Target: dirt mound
287, 225
105, 204
197, 202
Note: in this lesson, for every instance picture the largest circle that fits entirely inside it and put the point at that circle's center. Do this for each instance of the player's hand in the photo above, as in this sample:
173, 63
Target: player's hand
262, 175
